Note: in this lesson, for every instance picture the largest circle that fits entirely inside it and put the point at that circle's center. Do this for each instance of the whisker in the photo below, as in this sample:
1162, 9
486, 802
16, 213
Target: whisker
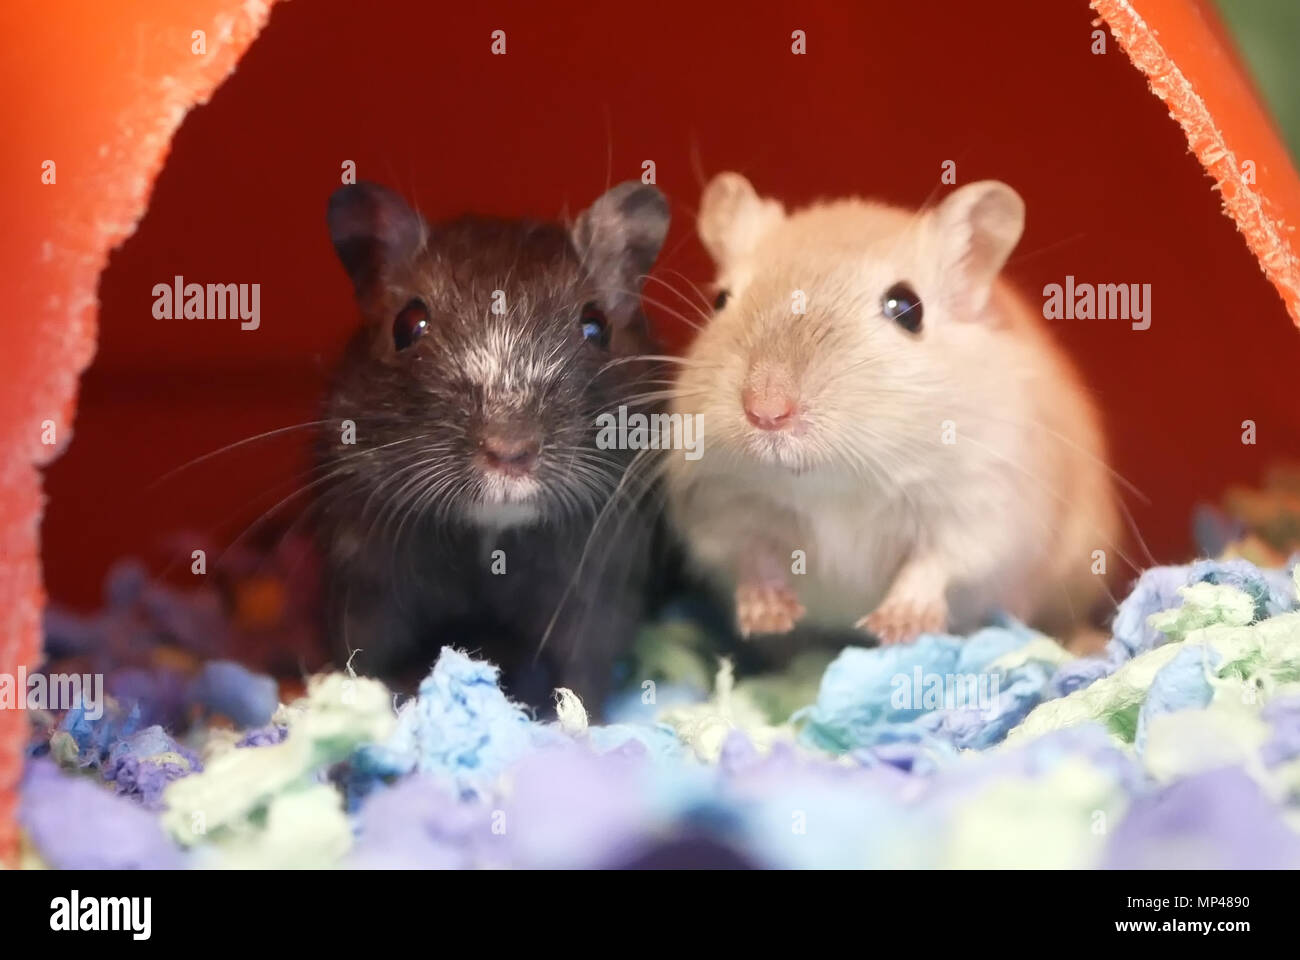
231, 447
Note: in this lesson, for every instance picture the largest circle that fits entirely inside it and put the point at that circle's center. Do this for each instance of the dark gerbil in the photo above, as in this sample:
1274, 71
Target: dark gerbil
464, 498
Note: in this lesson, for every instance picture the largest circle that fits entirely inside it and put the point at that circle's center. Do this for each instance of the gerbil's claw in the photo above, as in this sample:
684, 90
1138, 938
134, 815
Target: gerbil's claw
766, 608
899, 621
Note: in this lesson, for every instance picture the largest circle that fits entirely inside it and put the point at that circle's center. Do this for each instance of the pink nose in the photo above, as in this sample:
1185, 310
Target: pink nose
510, 455
768, 410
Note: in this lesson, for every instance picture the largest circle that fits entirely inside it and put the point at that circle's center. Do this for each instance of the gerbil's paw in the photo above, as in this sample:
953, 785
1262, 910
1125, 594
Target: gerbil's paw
902, 621
766, 608
1086, 641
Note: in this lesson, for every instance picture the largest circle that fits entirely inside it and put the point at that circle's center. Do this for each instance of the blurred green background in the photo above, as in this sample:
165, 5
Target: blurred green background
1268, 34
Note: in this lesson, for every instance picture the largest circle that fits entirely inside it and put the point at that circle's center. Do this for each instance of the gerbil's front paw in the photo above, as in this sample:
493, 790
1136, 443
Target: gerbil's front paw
902, 621
766, 608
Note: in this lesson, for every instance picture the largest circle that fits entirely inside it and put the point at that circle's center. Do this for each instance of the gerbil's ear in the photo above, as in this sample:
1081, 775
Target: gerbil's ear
373, 229
618, 238
733, 217
979, 225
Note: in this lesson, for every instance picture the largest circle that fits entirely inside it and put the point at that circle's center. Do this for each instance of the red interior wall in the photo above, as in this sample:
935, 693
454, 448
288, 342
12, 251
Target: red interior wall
585, 93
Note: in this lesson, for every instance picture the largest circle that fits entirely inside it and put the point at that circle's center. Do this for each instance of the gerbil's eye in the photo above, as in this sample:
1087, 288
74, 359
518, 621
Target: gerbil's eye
901, 304
410, 324
721, 299
594, 326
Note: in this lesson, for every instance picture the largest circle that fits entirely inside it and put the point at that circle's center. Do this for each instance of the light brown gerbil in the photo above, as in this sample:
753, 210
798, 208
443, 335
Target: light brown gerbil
892, 439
